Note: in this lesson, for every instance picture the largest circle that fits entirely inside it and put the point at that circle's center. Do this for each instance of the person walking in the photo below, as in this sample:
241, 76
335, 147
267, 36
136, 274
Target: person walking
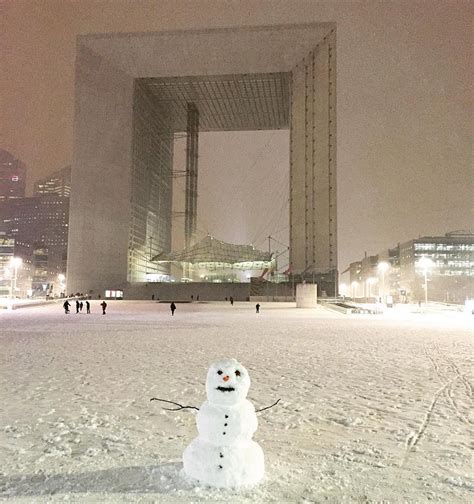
77, 305
231, 301
66, 306
104, 306
88, 307
172, 308
257, 308
81, 306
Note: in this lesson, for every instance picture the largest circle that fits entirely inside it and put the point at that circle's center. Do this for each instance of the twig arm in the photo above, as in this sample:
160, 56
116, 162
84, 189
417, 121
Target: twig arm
268, 407
180, 406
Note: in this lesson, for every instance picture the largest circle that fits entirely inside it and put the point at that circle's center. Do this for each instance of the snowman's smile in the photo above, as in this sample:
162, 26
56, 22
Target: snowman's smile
226, 389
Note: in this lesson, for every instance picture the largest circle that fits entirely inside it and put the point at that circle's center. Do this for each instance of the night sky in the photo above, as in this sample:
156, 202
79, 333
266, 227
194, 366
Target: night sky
404, 74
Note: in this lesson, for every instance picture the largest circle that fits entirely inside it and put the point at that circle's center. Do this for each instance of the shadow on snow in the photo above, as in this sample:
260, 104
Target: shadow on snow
159, 479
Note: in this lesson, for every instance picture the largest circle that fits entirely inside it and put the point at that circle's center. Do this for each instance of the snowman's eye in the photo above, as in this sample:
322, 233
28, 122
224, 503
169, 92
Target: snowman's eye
237, 373
219, 372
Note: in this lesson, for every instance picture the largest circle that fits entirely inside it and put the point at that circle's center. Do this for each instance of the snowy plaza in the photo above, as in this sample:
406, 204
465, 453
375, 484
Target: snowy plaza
374, 408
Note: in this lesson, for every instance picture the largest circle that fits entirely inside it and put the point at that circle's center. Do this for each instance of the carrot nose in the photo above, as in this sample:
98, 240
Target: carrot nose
226, 378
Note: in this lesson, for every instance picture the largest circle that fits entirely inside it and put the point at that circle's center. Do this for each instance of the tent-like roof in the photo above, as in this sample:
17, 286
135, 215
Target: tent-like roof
211, 250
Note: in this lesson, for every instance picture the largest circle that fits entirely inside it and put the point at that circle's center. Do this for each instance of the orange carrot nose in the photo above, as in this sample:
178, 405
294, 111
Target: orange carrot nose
226, 378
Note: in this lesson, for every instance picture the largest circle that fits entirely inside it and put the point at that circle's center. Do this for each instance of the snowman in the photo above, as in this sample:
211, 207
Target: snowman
223, 454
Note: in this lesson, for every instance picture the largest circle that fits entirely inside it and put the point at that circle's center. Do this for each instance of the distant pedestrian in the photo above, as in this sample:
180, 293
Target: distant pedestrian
172, 308
192, 298
197, 299
88, 307
66, 306
226, 299
152, 297
104, 306
77, 306
257, 308
81, 305
231, 301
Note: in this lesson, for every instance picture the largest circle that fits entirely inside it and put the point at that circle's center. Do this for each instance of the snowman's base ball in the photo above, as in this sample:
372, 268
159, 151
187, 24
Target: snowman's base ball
240, 464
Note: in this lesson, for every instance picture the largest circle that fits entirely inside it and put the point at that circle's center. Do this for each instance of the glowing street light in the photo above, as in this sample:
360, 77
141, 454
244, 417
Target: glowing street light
15, 263
343, 289
425, 263
383, 267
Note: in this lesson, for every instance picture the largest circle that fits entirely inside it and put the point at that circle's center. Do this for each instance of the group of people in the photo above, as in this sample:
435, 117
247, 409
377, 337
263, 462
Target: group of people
80, 306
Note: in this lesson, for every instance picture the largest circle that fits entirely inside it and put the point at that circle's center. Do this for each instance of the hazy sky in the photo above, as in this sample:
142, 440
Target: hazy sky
404, 73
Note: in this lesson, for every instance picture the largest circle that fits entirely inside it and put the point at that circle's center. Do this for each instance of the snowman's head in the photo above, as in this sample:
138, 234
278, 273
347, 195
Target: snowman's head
227, 383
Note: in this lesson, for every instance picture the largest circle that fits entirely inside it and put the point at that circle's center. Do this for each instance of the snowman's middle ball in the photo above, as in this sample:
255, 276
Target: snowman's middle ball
227, 383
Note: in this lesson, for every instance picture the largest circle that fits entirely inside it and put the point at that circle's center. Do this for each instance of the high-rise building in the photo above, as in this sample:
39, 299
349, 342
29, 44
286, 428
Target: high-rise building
39, 228
12, 176
7, 251
58, 183
37, 220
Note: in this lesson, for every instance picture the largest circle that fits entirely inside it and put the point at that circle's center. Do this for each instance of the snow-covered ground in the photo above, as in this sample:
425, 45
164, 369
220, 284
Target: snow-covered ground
373, 407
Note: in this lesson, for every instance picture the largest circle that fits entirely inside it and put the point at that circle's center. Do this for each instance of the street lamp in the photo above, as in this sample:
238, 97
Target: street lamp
425, 263
15, 262
343, 289
383, 267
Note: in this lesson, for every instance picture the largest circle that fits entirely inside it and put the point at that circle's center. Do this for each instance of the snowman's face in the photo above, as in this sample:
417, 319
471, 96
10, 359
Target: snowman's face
227, 383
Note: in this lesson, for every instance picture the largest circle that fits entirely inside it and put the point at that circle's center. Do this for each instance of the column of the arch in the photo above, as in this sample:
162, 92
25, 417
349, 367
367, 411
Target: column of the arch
313, 219
100, 208
324, 216
298, 224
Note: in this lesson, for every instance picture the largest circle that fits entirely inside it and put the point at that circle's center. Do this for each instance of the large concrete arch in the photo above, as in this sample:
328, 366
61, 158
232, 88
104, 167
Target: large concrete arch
134, 92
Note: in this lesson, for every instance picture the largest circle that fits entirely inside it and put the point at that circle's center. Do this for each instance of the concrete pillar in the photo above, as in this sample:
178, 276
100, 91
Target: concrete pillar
306, 296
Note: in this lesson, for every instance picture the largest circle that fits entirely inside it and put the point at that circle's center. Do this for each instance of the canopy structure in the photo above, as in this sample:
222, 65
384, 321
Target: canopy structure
213, 255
